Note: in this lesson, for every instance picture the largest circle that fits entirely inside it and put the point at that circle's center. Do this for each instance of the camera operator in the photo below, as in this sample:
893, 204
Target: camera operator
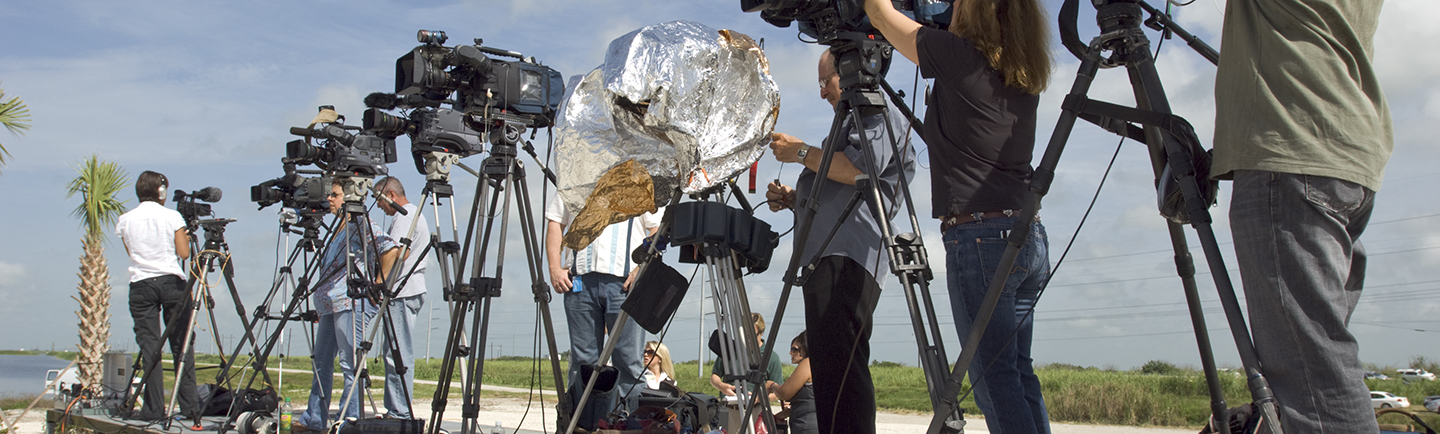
409, 300
989, 70
1302, 127
157, 240
841, 292
342, 319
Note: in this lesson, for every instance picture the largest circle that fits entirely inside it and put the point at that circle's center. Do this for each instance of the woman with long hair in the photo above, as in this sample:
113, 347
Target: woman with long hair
658, 367
989, 70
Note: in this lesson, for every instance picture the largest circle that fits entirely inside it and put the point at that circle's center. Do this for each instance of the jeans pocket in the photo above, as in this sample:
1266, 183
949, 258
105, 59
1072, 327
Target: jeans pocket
1333, 195
990, 252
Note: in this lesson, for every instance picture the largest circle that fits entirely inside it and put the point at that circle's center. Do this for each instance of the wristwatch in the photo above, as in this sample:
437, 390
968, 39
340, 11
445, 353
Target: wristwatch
804, 150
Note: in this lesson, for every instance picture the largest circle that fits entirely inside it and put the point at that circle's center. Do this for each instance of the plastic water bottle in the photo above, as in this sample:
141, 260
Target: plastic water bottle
286, 416
498, 429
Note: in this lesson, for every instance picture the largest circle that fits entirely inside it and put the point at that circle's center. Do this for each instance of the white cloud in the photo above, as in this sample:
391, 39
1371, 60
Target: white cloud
11, 274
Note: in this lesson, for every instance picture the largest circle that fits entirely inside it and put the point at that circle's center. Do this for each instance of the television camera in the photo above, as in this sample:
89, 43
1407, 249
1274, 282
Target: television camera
489, 94
307, 195
189, 207
819, 19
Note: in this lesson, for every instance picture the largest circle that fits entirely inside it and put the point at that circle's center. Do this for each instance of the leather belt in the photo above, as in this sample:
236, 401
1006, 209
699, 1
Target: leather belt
954, 220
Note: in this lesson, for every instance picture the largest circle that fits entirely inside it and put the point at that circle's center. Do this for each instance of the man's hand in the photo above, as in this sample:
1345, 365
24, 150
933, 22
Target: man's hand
786, 147
560, 280
726, 389
779, 196
630, 279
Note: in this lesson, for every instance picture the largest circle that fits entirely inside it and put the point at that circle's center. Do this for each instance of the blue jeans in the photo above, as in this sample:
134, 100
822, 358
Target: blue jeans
400, 390
1297, 241
1005, 386
590, 310
334, 334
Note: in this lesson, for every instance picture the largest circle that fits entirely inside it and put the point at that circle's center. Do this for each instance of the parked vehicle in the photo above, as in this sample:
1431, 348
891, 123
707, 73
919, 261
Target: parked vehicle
1387, 400
1432, 403
68, 377
1415, 374
1372, 375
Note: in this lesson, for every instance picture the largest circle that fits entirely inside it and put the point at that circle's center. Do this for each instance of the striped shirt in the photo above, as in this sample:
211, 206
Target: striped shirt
610, 252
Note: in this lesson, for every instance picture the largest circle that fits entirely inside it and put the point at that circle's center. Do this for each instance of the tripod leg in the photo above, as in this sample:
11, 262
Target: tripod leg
1150, 95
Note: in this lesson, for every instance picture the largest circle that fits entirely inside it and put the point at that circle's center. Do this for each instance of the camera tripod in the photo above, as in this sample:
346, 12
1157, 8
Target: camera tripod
285, 281
501, 175
1174, 150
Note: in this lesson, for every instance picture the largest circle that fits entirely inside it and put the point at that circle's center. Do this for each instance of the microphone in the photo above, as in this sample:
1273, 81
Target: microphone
389, 101
383, 101
207, 194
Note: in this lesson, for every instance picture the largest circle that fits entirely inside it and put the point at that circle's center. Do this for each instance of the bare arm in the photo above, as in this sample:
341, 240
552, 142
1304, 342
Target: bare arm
559, 276
182, 243
793, 384
897, 28
387, 261
725, 388
787, 148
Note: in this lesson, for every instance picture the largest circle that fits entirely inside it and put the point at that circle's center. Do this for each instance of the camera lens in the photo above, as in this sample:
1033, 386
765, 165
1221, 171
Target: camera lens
384, 124
302, 153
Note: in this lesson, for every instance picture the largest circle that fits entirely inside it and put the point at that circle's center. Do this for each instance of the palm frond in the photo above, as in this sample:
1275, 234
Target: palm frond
16, 118
98, 184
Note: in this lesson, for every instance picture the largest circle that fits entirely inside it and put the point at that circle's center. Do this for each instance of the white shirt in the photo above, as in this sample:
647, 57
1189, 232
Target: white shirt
398, 229
148, 231
608, 253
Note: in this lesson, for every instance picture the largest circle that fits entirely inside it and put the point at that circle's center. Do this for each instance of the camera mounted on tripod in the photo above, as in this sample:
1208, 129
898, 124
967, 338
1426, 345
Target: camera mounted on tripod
307, 195
488, 93
188, 207
339, 151
825, 19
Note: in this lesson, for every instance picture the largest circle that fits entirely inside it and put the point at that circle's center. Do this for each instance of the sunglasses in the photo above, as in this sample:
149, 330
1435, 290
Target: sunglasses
794, 349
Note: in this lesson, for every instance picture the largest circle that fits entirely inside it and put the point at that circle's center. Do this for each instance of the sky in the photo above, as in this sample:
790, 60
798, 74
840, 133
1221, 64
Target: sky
205, 91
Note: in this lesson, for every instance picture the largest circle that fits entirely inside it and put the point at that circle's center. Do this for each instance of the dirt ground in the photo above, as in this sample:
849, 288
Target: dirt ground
510, 412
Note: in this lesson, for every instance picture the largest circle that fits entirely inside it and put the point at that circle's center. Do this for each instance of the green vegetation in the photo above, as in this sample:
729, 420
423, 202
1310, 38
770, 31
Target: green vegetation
1156, 394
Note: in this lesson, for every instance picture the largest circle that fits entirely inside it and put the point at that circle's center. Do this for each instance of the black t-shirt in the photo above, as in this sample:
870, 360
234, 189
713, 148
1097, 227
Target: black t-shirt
981, 133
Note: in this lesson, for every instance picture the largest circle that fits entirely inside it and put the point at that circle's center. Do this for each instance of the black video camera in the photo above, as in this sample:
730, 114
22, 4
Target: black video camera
483, 85
190, 210
487, 92
308, 195
819, 18
340, 151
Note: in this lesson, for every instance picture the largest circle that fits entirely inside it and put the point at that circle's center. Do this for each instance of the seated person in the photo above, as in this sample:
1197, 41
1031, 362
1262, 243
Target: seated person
798, 390
658, 367
773, 372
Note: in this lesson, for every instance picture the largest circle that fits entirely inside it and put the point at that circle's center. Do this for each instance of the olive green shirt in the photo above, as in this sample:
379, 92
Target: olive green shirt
1295, 91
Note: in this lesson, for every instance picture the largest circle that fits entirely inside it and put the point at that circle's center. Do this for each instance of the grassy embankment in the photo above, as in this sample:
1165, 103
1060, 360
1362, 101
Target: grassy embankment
1157, 395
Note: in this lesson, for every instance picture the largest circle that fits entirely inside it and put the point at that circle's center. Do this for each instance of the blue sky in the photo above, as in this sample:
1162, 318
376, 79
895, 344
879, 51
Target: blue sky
205, 91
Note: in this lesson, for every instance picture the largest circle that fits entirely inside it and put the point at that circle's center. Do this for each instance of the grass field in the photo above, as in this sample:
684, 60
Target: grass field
1158, 394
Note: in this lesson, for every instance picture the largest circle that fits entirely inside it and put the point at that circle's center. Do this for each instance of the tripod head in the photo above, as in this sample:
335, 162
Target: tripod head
354, 189
1123, 18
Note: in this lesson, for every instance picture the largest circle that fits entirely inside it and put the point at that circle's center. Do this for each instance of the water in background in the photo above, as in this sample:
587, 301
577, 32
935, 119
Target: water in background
25, 375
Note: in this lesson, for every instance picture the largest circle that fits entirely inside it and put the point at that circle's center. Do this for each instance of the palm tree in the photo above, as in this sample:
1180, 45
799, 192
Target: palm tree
15, 116
97, 185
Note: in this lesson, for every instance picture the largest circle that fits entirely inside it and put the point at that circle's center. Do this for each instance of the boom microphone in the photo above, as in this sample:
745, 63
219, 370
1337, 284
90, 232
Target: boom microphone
207, 194
381, 100
389, 101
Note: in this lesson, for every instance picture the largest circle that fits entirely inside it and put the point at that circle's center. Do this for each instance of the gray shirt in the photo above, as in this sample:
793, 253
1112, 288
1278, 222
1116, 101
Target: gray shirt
1296, 92
859, 237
